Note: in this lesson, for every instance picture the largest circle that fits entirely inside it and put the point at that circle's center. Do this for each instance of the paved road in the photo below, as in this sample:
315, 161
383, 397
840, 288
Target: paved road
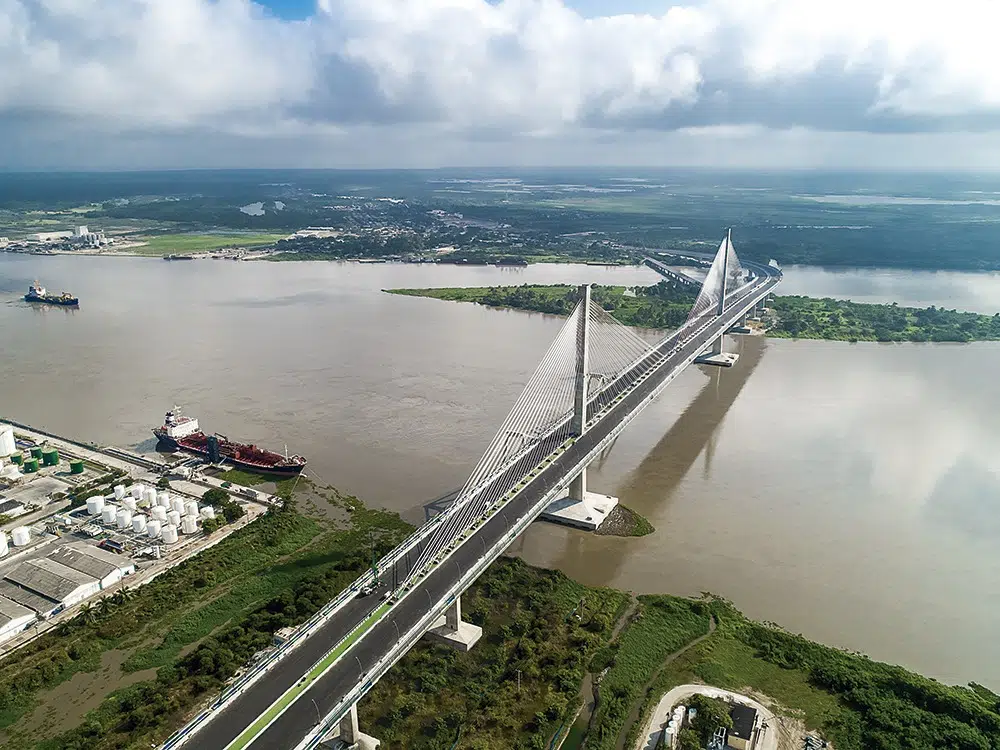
352, 669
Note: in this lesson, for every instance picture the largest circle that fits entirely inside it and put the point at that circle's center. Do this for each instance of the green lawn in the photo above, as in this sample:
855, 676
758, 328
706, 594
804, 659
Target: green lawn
164, 244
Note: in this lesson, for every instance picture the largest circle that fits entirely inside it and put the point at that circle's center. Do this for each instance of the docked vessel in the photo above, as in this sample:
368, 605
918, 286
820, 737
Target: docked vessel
37, 293
178, 257
183, 433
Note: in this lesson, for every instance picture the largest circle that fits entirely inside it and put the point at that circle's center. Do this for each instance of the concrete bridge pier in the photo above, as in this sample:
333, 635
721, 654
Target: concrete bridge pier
450, 630
716, 356
348, 736
741, 328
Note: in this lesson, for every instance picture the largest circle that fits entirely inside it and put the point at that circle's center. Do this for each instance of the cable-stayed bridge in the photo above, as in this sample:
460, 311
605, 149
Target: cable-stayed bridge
594, 379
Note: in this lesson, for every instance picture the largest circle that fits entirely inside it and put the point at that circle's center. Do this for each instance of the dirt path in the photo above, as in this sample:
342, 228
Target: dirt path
634, 716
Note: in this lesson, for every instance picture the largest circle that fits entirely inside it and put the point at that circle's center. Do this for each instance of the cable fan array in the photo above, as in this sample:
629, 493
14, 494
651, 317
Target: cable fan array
726, 263
540, 420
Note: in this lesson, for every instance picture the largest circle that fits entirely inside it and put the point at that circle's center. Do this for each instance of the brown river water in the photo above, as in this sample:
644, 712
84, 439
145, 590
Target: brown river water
850, 492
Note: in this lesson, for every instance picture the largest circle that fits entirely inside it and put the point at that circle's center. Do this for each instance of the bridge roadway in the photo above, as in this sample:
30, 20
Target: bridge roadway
431, 592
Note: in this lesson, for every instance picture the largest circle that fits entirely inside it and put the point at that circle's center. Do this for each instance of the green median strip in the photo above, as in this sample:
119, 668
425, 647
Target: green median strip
265, 718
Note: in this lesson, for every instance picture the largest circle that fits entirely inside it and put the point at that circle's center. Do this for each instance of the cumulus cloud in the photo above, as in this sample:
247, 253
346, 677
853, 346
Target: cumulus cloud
508, 66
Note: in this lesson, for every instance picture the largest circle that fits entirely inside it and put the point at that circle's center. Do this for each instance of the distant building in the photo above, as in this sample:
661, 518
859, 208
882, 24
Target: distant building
80, 231
13, 618
49, 236
744, 718
11, 508
54, 581
106, 567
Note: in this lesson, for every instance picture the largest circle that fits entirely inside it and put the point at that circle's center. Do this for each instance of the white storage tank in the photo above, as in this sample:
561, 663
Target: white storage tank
177, 503
119, 491
159, 513
136, 490
4, 547
108, 514
123, 518
169, 534
10, 471
95, 505
22, 536
163, 498
149, 495
189, 524
7, 444
191, 508
153, 529
139, 523
129, 502
208, 512
173, 518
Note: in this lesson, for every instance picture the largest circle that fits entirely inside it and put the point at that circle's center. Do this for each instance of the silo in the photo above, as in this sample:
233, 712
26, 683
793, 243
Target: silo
169, 534
4, 547
153, 529
136, 490
191, 508
22, 536
95, 505
31, 466
173, 518
7, 444
120, 491
208, 512
17, 459
159, 513
189, 525
177, 503
163, 498
129, 502
50, 457
149, 495
76, 466
36, 452
139, 523
123, 518
109, 513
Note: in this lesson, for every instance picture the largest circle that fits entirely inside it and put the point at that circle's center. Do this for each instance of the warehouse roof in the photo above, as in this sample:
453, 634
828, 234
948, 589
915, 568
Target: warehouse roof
48, 578
27, 598
10, 610
90, 560
743, 718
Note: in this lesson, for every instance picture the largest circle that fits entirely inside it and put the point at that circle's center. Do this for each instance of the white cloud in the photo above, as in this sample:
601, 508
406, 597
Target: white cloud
721, 68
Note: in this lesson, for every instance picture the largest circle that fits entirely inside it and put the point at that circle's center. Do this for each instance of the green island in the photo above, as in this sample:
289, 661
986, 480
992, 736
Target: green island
665, 305
559, 662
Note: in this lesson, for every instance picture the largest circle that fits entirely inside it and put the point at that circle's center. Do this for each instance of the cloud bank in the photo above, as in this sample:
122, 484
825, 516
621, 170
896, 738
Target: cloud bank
87, 70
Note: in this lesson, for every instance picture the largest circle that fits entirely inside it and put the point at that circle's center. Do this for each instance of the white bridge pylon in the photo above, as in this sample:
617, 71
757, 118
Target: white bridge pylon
590, 362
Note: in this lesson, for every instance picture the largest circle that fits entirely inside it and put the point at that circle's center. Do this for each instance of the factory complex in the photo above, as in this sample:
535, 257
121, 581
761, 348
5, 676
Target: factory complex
76, 521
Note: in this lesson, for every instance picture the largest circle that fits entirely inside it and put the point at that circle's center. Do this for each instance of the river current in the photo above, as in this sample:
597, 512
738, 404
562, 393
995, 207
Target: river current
850, 492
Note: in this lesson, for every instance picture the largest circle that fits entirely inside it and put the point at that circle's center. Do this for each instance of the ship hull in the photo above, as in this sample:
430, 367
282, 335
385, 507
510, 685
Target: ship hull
71, 302
287, 470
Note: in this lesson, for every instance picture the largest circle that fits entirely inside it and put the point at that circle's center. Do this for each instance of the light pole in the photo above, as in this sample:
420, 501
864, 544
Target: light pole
319, 719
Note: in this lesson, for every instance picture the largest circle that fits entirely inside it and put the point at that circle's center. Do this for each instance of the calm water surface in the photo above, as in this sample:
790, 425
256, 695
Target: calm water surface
850, 492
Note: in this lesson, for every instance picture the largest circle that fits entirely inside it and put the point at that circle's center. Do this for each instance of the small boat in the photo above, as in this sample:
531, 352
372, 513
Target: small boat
37, 293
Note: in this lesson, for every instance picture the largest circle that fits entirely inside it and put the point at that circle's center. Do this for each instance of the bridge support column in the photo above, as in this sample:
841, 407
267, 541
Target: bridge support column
349, 736
581, 508
450, 630
740, 328
716, 356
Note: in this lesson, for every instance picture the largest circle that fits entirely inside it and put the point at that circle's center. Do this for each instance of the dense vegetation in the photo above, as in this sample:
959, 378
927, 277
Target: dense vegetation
808, 318
666, 306
515, 687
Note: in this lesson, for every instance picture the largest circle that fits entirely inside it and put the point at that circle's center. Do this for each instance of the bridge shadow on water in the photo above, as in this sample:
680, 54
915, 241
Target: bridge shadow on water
650, 487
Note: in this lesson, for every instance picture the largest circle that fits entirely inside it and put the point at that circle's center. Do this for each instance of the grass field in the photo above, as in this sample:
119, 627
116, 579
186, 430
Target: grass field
164, 244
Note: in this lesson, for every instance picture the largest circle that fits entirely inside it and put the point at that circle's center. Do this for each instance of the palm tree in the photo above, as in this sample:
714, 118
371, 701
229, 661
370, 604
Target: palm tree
104, 606
87, 613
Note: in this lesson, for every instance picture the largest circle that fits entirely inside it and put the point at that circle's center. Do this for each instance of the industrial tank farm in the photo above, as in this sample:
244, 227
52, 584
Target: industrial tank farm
77, 520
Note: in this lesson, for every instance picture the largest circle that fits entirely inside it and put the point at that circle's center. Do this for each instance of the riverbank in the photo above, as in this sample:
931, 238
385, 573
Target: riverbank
663, 306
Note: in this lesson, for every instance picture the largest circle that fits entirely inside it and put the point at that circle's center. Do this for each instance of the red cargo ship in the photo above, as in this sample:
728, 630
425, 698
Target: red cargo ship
182, 433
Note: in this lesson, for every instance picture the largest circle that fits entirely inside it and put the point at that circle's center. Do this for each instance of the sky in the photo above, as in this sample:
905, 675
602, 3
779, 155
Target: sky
765, 84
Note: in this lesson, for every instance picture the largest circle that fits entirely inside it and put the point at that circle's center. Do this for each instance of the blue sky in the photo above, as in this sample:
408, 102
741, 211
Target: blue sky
383, 83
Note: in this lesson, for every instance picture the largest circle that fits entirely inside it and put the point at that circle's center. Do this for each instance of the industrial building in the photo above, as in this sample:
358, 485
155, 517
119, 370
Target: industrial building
53, 580
44, 607
741, 735
13, 618
107, 567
